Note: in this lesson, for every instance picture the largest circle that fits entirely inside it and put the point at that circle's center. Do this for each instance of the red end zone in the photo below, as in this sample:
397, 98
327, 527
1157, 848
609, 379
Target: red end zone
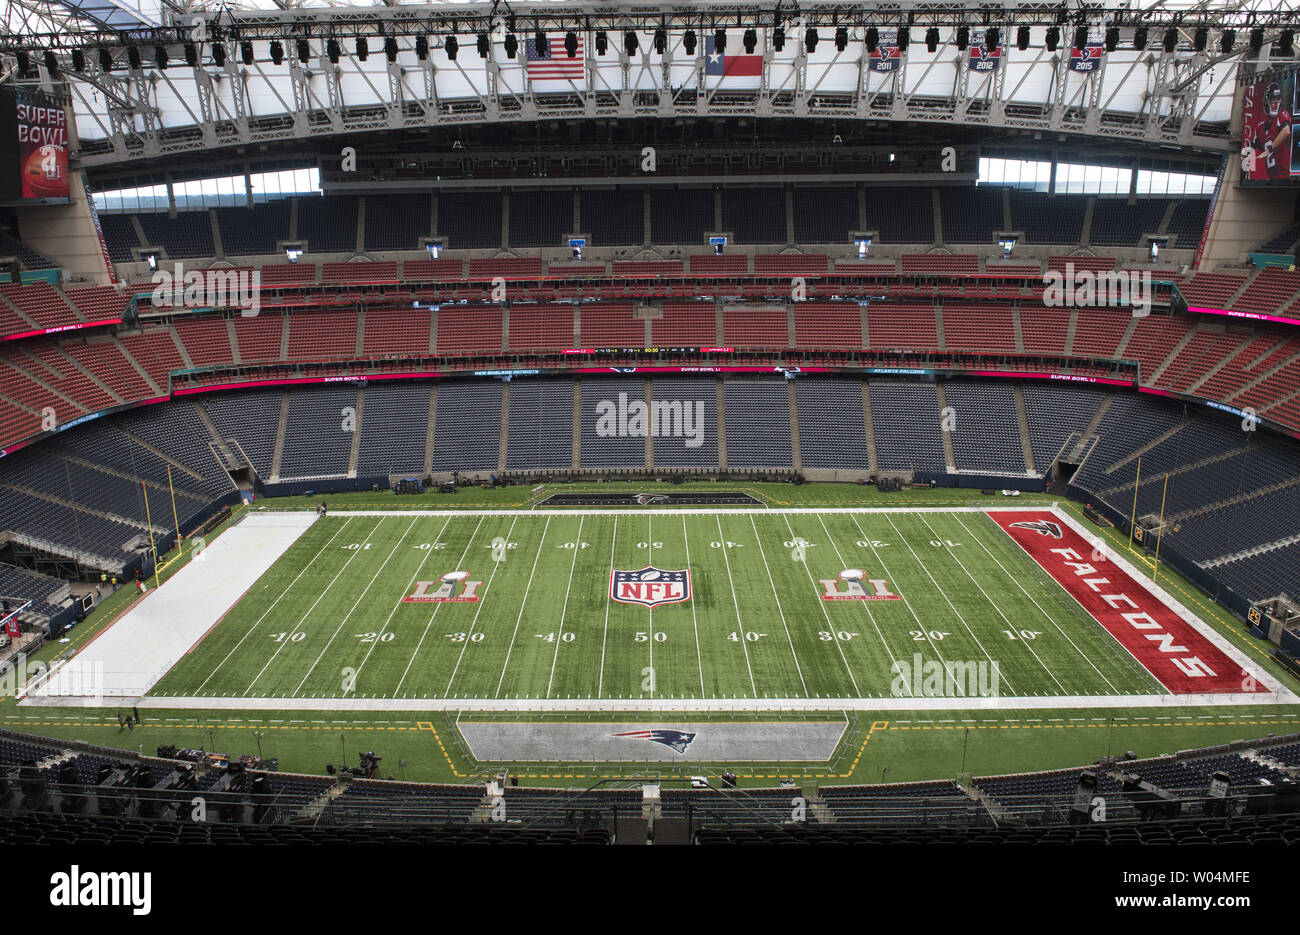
1182, 659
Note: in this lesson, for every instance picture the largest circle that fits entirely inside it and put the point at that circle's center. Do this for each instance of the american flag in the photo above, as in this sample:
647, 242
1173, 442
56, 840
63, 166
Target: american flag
551, 62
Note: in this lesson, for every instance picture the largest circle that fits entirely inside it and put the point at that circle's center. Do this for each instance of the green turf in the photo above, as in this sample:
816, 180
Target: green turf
328, 619
914, 745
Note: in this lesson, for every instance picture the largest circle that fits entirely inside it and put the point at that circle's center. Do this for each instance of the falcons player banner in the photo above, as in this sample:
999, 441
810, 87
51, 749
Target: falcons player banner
1268, 142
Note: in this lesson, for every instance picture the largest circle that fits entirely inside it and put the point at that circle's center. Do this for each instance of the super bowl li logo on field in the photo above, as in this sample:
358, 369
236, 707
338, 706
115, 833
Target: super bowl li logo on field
650, 586
453, 587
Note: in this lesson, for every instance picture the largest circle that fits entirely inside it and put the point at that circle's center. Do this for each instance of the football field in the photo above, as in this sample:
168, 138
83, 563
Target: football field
643, 604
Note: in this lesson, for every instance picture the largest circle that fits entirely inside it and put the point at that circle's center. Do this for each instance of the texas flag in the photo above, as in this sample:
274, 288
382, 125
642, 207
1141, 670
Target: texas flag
717, 63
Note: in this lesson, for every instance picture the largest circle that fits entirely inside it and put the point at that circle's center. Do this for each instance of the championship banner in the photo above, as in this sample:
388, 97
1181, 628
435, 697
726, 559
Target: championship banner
1088, 60
11, 626
887, 56
978, 58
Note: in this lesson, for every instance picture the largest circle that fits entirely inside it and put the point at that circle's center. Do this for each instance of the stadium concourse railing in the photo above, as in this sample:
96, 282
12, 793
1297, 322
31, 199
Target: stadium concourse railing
130, 785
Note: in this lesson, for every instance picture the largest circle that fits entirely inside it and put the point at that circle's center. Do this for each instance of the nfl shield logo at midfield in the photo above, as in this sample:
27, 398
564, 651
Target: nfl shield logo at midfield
650, 586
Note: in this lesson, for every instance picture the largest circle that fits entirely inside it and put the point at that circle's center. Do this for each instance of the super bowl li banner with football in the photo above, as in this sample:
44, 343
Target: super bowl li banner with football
33, 140
1269, 150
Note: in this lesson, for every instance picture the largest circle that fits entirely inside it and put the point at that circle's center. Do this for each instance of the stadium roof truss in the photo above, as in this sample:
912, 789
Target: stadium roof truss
322, 84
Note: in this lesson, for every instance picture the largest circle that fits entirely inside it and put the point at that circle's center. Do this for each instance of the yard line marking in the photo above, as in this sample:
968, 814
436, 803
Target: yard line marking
319, 597
600, 683
947, 600
776, 597
866, 605
287, 589
433, 616
992, 604
699, 661
353, 608
744, 643
559, 637
1045, 614
356, 676
924, 630
650, 619
522, 604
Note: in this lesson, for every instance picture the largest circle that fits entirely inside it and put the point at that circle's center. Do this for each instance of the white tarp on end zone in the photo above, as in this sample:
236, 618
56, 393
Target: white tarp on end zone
129, 657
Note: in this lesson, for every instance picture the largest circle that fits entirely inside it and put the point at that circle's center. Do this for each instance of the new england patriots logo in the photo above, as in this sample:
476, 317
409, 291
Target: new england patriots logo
1040, 526
650, 586
675, 740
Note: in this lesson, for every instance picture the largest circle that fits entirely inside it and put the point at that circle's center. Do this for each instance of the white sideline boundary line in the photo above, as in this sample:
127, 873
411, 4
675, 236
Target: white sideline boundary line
692, 511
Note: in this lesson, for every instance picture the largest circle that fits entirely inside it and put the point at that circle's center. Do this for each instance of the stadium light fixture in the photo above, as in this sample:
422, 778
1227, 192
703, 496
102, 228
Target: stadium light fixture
191, 55
778, 38
1287, 42
246, 52
363, 49
304, 51
688, 42
219, 55
571, 44
332, 51
810, 39
1140, 38
511, 45
932, 39
1081, 37
451, 46
160, 57
78, 60
992, 36
483, 45
23, 61
1112, 39
720, 41
1256, 40
1200, 38
602, 42
390, 48
873, 38
963, 38
132, 59
630, 43
1053, 38
539, 39
1227, 39
422, 47
105, 59
841, 39
661, 40
1022, 38
1171, 39
750, 40
904, 37
51, 63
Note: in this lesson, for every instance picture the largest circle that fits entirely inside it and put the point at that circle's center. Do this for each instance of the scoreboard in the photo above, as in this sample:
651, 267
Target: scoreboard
33, 148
